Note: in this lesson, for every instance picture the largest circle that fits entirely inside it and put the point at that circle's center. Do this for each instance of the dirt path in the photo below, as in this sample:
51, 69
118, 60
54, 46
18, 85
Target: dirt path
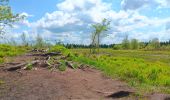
43, 84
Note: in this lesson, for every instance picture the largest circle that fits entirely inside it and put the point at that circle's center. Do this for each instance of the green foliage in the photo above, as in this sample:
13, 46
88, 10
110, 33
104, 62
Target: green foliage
99, 28
1, 60
7, 50
75, 65
117, 47
6, 15
62, 49
126, 43
134, 44
57, 48
142, 45
29, 66
63, 66
153, 44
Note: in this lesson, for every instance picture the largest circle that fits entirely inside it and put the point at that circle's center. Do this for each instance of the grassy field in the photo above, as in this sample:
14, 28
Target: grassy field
146, 70
8, 50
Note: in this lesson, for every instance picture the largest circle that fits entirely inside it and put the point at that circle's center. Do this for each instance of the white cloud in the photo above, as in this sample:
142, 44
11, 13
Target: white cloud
71, 21
24, 21
26, 14
137, 4
75, 17
57, 19
164, 3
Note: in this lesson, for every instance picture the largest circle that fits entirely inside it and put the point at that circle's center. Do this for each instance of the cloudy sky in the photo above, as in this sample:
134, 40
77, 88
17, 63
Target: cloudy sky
70, 21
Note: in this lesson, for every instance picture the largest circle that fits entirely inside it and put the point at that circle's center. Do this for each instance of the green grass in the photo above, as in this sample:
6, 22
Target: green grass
1, 60
145, 70
8, 50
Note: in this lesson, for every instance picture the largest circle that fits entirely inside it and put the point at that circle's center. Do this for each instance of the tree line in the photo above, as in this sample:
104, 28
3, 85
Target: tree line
128, 44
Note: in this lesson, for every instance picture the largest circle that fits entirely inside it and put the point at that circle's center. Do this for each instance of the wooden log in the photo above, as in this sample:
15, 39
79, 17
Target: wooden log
47, 54
20, 66
13, 68
52, 54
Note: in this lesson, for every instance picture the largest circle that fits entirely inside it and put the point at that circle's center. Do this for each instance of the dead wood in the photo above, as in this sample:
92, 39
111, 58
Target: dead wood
70, 65
46, 54
20, 66
34, 50
52, 54
48, 58
13, 68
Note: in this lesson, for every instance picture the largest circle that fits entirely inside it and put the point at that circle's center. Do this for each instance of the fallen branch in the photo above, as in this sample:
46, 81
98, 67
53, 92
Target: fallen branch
70, 65
47, 54
52, 54
20, 66
13, 68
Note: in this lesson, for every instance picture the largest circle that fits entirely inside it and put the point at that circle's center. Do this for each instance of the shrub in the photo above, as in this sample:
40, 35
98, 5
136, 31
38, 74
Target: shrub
57, 48
117, 47
8, 50
63, 66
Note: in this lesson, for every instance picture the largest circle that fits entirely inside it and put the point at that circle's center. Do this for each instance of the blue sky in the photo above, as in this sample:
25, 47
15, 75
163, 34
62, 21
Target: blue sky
69, 21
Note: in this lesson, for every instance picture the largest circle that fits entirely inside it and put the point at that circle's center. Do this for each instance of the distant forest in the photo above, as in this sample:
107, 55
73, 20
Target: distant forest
153, 44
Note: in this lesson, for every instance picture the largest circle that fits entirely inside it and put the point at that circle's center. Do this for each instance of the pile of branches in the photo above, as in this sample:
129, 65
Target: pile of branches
43, 61
50, 60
